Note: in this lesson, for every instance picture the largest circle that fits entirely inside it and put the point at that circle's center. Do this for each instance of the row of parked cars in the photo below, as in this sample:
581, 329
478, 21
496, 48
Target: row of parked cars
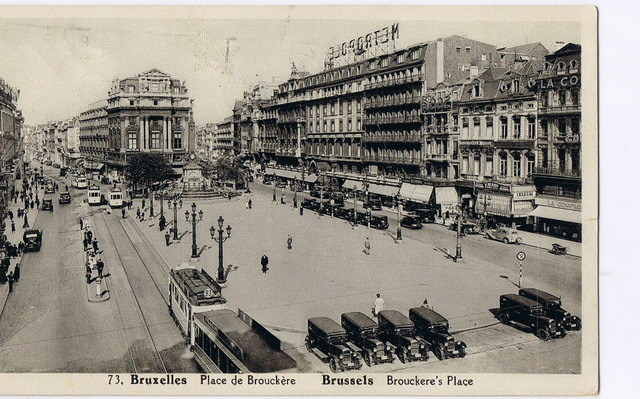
337, 209
359, 339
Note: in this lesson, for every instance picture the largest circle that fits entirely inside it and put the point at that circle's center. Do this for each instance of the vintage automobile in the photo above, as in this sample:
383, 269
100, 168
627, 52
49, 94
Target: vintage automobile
281, 184
398, 331
411, 222
32, 240
425, 215
327, 208
379, 222
63, 171
47, 203
331, 341
504, 234
375, 204
337, 196
553, 308
529, 313
467, 227
364, 333
311, 204
49, 189
343, 213
434, 328
326, 194
65, 198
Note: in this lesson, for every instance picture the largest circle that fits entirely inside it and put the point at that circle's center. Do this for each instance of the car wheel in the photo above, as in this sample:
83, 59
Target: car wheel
466, 231
543, 334
505, 240
563, 333
333, 366
578, 325
504, 318
440, 352
307, 343
463, 352
402, 357
518, 240
367, 358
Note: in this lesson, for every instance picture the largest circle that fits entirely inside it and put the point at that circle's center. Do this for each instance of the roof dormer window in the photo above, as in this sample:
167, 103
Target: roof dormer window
561, 68
385, 62
573, 66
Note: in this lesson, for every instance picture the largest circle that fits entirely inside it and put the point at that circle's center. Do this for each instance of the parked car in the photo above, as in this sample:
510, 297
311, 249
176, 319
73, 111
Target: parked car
467, 227
343, 213
398, 331
32, 240
504, 234
65, 198
326, 194
281, 184
425, 215
529, 313
337, 196
411, 222
331, 341
364, 333
311, 204
379, 222
434, 328
375, 204
553, 308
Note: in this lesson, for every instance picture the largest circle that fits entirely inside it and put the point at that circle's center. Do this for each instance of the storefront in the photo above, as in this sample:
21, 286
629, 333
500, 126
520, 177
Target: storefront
447, 200
420, 194
507, 203
558, 216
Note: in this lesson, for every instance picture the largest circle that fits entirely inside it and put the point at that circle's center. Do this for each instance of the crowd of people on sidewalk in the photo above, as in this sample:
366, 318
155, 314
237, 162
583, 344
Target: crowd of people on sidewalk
93, 261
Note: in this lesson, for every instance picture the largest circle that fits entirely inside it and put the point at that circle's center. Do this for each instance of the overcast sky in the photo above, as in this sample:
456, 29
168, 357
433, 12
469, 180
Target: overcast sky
62, 65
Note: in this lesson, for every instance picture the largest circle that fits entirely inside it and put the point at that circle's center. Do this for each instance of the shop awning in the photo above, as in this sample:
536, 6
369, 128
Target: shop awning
94, 166
310, 178
446, 195
177, 171
416, 192
350, 183
565, 215
389, 191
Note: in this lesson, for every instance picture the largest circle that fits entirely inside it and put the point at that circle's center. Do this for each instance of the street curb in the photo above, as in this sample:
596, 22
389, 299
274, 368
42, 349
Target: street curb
91, 291
549, 249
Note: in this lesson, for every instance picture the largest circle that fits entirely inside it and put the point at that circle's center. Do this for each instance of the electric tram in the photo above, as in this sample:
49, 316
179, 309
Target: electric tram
94, 196
79, 182
115, 198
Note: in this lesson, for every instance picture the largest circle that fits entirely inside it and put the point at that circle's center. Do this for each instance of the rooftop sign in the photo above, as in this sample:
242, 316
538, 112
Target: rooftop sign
381, 39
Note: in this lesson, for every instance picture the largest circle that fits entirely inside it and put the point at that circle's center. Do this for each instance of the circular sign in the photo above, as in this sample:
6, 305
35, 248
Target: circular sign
208, 293
26, 211
521, 255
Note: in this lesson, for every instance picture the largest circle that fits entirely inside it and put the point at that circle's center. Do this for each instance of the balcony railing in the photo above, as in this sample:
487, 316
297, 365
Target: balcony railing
386, 138
392, 119
290, 119
439, 157
379, 103
559, 109
395, 82
389, 159
563, 172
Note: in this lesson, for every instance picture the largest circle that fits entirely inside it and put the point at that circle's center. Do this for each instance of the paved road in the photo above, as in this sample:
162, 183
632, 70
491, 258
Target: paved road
49, 325
326, 273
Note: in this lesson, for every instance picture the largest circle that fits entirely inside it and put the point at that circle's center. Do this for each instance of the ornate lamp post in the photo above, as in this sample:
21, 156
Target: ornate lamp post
194, 221
295, 191
220, 239
398, 227
26, 220
355, 207
458, 232
175, 215
151, 200
274, 187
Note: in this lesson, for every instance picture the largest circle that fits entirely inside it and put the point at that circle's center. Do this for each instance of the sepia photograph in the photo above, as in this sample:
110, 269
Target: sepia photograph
382, 197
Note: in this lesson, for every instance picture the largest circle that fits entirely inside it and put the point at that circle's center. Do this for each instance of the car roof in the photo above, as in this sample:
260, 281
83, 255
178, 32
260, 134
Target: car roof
521, 300
396, 318
545, 296
430, 315
327, 325
360, 319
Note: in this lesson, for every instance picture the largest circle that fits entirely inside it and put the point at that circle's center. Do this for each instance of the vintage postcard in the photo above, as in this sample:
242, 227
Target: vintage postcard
298, 200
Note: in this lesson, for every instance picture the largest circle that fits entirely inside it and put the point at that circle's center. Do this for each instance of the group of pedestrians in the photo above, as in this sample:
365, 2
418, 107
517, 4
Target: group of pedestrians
92, 254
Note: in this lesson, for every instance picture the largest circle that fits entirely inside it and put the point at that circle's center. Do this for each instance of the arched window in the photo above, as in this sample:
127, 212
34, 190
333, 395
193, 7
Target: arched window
573, 66
503, 163
517, 164
561, 68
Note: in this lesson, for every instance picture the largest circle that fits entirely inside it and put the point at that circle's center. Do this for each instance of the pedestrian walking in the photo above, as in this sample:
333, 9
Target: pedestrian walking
138, 213
250, 203
95, 244
37, 202
13, 226
10, 278
66, 187
378, 305
367, 246
123, 213
246, 204
301, 210
19, 212
100, 267
289, 241
142, 216
16, 272
143, 203
167, 238
81, 223
20, 248
264, 261
10, 213
32, 204
89, 235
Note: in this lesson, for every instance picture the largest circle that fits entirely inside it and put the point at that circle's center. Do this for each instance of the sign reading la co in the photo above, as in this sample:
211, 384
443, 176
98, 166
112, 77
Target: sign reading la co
562, 82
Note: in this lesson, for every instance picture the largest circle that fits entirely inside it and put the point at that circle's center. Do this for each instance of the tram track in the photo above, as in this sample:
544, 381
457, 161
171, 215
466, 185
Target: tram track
157, 353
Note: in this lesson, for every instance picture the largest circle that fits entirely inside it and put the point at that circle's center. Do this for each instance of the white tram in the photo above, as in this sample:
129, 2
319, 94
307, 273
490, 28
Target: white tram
94, 196
115, 198
192, 291
79, 182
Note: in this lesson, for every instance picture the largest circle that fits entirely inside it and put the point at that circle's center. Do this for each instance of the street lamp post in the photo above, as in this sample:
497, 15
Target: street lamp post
26, 220
151, 206
220, 240
274, 187
398, 227
194, 221
175, 215
355, 206
458, 232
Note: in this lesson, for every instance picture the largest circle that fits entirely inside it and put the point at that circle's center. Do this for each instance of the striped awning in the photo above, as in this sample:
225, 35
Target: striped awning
565, 215
446, 195
351, 183
310, 178
416, 192
389, 191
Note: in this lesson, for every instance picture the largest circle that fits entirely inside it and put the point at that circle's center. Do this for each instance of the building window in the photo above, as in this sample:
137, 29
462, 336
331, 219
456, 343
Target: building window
333, 126
476, 127
575, 125
516, 127
341, 125
504, 128
562, 127
562, 97
131, 88
324, 110
155, 102
530, 164
489, 127
358, 105
545, 99
359, 125
133, 140
333, 109
385, 62
324, 127
317, 126
483, 57
467, 49
531, 128
372, 65
503, 164
414, 55
400, 58
349, 125
155, 139
458, 49
177, 140
131, 102
517, 165
575, 96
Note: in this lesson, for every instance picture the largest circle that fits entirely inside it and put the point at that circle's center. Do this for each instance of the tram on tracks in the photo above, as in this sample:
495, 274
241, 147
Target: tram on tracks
94, 196
79, 182
116, 199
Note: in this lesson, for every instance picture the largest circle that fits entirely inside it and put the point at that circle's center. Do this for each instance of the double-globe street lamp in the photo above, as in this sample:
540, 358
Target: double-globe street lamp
194, 221
220, 240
